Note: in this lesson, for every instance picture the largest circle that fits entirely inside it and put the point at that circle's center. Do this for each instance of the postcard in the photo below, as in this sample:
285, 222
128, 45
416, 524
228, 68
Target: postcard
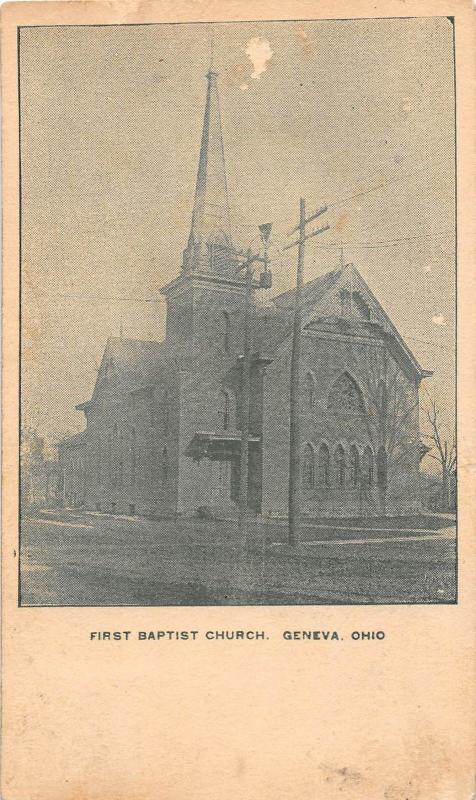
238, 401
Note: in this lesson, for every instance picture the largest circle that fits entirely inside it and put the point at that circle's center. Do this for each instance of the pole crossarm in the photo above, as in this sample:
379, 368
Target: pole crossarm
316, 214
249, 260
309, 236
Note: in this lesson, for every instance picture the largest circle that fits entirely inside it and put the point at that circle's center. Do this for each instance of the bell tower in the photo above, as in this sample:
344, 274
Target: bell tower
208, 285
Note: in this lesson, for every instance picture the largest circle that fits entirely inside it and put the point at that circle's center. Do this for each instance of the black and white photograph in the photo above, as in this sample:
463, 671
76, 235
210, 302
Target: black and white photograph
238, 313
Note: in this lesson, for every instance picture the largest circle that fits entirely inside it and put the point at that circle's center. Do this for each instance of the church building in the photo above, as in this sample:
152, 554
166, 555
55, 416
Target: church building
163, 424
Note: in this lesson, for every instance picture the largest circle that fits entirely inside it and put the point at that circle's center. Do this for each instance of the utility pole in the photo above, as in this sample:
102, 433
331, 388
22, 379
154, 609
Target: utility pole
294, 508
247, 265
245, 404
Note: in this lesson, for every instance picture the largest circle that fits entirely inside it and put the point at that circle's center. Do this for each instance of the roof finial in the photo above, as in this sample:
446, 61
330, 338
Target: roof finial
212, 53
342, 259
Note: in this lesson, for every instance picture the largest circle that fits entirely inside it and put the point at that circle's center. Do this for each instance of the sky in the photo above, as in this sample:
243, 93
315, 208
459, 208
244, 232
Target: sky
111, 123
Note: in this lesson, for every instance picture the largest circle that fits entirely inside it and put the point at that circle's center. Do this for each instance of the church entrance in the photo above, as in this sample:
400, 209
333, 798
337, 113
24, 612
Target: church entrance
218, 469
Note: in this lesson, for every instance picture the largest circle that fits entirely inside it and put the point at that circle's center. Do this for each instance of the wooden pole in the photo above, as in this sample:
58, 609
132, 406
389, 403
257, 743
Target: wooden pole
294, 394
245, 408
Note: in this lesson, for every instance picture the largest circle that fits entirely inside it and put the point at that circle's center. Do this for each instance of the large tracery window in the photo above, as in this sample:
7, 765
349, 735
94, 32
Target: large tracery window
345, 396
308, 474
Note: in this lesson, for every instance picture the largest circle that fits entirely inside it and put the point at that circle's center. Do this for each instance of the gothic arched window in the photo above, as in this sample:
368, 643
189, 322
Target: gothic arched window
120, 462
345, 396
165, 412
224, 412
354, 466
382, 467
114, 456
383, 398
339, 464
368, 467
133, 457
308, 474
165, 466
99, 461
323, 465
226, 331
310, 394
109, 456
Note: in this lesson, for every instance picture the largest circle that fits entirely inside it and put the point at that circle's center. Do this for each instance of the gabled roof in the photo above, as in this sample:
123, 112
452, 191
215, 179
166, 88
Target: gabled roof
318, 293
133, 363
389, 327
312, 292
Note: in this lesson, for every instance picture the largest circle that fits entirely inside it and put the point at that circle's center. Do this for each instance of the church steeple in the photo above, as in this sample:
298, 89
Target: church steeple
210, 235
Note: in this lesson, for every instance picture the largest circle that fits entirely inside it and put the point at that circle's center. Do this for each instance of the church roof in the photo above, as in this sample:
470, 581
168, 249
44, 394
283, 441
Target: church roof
312, 291
131, 364
316, 295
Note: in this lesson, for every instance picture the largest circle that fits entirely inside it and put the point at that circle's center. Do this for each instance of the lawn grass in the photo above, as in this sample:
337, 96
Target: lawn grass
100, 560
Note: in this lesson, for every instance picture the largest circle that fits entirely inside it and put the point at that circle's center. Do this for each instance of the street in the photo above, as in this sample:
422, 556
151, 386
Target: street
86, 559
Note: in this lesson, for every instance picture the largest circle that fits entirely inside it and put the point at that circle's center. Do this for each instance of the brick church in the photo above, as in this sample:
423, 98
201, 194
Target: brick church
162, 433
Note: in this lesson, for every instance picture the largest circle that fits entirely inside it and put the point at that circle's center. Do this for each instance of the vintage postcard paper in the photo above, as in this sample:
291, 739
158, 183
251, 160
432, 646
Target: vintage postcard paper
238, 546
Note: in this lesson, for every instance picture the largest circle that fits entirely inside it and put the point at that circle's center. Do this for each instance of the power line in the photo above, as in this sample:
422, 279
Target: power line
97, 298
384, 242
380, 185
431, 344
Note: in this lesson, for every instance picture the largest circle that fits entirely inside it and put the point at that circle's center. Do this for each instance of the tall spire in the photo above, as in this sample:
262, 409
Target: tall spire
210, 234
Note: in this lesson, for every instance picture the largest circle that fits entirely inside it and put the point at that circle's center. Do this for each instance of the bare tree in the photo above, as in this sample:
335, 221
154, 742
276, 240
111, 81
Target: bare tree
392, 427
441, 450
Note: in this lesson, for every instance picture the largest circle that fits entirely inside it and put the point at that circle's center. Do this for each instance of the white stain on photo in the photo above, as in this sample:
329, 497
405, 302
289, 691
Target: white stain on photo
259, 53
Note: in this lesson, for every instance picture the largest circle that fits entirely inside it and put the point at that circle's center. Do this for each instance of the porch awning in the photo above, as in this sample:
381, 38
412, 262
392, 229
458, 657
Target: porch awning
224, 446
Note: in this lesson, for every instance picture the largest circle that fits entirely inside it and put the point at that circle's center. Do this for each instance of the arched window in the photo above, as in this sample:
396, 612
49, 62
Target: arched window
339, 464
345, 396
120, 461
114, 454
323, 465
383, 398
354, 466
165, 466
133, 457
310, 394
99, 461
152, 465
308, 476
368, 467
165, 410
224, 412
382, 467
226, 331
109, 456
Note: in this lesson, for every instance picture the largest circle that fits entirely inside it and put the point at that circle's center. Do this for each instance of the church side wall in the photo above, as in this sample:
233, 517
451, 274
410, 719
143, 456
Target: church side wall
132, 451
323, 361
